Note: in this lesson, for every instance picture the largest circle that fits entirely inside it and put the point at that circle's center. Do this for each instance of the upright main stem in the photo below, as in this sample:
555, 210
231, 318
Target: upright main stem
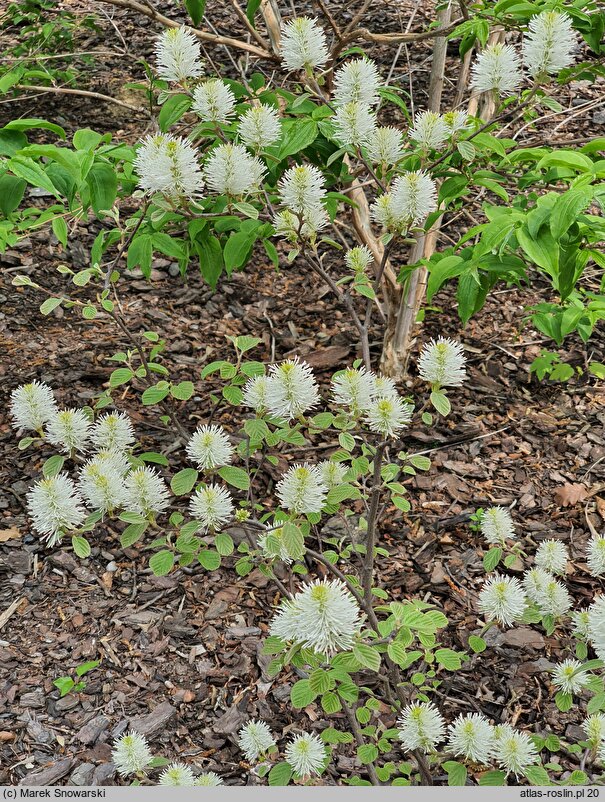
368, 560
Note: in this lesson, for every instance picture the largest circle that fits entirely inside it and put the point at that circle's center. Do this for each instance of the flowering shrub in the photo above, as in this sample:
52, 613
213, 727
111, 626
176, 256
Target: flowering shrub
254, 163
238, 165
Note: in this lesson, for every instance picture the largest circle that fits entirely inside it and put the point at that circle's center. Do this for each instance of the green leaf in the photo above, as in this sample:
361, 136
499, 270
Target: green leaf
120, 376
162, 562
132, 534
319, 681
577, 777
330, 703
368, 656
237, 249
64, 684
280, 774
294, 540
12, 190
564, 701
49, 304
102, 181
449, 659
182, 391
32, 172
25, 123
297, 135
236, 477
140, 253
456, 772
567, 208
81, 546
491, 558
153, 456
301, 694
367, 753
477, 644
233, 395
492, 778
467, 150
209, 559
441, 403
224, 544
537, 775
155, 394
172, 110
59, 227
89, 312
53, 465
183, 481
196, 10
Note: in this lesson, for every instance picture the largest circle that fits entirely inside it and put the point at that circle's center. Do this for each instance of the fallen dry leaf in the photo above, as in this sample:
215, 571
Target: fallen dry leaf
569, 495
600, 502
9, 534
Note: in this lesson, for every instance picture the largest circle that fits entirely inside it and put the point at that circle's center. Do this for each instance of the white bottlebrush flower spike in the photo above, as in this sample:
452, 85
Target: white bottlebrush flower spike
497, 524
412, 198
146, 492
255, 739
569, 677
303, 44
355, 388
177, 774
472, 736
305, 225
55, 507
32, 405
552, 556
332, 473
553, 599
259, 127
231, 170
387, 416
301, 490
455, 121
301, 188
359, 259
178, 55
421, 726
291, 389
168, 164
213, 101
69, 429
430, 130
212, 507
580, 620
324, 617
306, 754
354, 123
514, 751
534, 582
209, 778
385, 387
497, 69
102, 485
112, 460
595, 555
596, 626
594, 727
255, 393
113, 432
502, 599
442, 362
549, 43
357, 81
385, 146
131, 754
210, 448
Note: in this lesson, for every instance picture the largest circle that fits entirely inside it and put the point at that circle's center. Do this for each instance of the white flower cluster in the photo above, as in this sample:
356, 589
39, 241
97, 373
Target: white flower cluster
373, 397
441, 363
547, 49
259, 127
497, 525
411, 198
255, 740
209, 448
303, 45
231, 170
105, 483
213, 101
305, 753
288, 391
324, 617
168, 164
302, 191
178, 55
422, 727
